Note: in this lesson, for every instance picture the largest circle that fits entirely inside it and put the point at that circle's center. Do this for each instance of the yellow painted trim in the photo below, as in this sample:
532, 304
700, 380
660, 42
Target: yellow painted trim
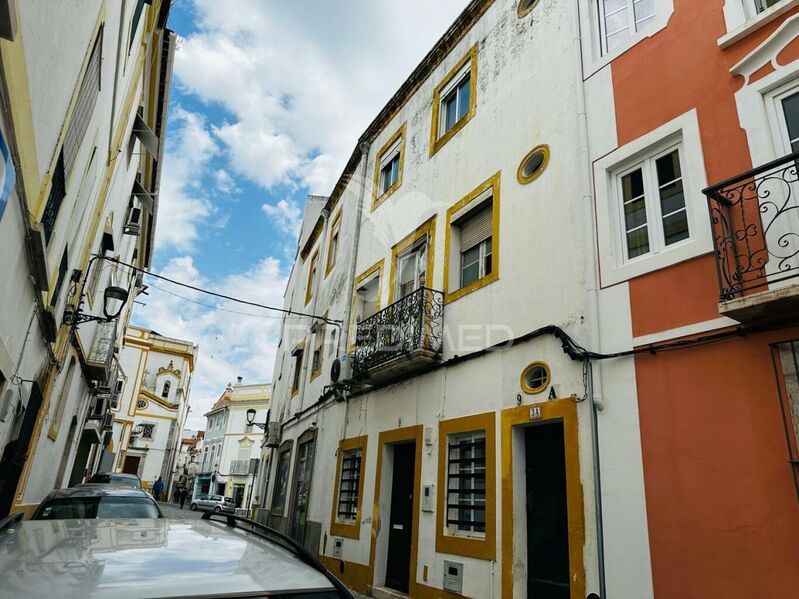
377, 267
335, 227
318, 371
436, 142
343, 529
164, 350
523, 12
480, 548
158, 400
427, 228
148, 415
523, 378
524, 180
138, 377
408, 433
298, 366
309, 290
399, 134
493, 184
354, 575
317, 230
564, 410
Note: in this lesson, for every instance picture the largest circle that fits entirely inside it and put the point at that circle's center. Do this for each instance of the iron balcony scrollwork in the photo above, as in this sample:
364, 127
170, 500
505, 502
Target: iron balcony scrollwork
415, 322
755, 221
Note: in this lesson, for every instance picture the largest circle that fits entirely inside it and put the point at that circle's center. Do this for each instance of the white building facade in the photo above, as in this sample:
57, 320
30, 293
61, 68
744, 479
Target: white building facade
153, 405
85, 86
232, 445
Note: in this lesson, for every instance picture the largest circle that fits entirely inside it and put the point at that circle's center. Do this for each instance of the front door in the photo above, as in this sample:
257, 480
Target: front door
401, 519
302, 491
547, 510
238, 495
131, 464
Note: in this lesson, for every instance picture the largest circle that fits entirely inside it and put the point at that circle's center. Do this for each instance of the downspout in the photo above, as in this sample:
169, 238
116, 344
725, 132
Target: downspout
592, 307
114, 152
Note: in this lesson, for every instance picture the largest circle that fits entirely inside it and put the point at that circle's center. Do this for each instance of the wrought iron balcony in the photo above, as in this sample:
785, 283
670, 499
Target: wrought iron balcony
239, 466
755, 220
402, 338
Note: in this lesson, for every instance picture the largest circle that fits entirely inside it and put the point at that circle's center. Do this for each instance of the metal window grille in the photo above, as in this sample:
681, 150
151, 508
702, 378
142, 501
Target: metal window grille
147, 430
62, 274
57, 193
466, 473
84, 107
349, 484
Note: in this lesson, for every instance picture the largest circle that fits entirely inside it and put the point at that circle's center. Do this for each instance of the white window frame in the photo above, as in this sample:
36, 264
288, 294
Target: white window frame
423, 242
632, 24
682, 131
744, 17
444, 94
393, 152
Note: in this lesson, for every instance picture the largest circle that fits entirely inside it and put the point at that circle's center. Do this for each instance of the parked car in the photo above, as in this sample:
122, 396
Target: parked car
216, 503
116, 478
97, 501
218, 555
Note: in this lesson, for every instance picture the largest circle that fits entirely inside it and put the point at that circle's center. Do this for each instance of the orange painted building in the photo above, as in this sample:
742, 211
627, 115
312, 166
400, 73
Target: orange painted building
703, 91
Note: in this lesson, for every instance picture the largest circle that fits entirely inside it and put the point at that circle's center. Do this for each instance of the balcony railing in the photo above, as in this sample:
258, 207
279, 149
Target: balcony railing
411, 328
239, 466
755, 220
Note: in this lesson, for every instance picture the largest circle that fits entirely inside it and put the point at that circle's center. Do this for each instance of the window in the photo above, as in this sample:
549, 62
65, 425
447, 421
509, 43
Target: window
454, 101
134, 22
318, 344
84, 106
622, 18
147, 430
348, 493
281, 480
652, 201
295, 383
472, 236
790, 108
467, 480
525, 6
309, 290
62, 274
533, 164
762, 5
411, 269
365, 297
388, 167
57, 192
535, 378
333, 243
165, 390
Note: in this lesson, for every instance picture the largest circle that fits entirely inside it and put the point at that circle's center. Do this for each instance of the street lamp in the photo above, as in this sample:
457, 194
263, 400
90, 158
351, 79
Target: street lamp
251, 420
114, 299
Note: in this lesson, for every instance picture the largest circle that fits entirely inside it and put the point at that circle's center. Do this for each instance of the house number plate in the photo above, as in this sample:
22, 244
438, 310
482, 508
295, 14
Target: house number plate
535, 413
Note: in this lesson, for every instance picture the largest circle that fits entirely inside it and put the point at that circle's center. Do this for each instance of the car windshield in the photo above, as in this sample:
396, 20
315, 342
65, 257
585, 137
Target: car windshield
127, 481
71, 508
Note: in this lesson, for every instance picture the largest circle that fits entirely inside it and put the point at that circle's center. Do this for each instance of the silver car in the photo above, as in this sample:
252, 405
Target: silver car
214, 503
220, 555
97, 501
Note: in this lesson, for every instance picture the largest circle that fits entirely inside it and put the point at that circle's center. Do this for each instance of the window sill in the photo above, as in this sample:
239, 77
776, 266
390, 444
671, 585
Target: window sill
315, 374
342, 529
380, 199
755, 23
437, 144
471, 287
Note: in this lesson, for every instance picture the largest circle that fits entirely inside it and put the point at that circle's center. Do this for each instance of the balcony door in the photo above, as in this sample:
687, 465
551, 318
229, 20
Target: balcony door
780, 211
411, 269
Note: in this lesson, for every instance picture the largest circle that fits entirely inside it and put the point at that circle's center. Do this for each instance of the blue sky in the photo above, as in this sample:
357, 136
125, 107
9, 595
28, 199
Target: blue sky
268, 100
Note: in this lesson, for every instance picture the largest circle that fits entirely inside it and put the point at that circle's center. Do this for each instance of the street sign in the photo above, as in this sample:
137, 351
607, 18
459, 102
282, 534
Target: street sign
7, 175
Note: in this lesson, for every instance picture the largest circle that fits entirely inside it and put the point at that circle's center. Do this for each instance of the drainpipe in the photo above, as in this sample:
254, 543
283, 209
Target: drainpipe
592, 308
114, 152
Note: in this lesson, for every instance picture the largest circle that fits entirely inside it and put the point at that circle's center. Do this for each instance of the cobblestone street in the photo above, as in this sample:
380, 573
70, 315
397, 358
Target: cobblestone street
172, 510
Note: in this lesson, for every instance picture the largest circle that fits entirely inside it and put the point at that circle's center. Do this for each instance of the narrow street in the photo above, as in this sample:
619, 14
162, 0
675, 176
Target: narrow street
173, 511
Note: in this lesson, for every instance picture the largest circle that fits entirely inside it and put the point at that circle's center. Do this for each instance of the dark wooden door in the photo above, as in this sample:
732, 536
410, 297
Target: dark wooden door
547, 510
401, 518
131, 464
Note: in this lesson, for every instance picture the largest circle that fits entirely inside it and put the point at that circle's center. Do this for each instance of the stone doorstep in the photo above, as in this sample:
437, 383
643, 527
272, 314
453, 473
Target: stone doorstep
386, 593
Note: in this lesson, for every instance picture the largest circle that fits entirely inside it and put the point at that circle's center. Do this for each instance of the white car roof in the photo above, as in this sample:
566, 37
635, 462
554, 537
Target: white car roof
145, 558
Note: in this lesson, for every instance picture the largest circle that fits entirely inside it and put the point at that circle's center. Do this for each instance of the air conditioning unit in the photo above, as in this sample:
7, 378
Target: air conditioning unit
108, 421
133, 222
341, 370
273, 434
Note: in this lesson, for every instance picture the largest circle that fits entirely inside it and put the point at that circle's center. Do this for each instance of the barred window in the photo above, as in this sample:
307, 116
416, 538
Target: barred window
349, 484
466, 482
84, 107
57, 192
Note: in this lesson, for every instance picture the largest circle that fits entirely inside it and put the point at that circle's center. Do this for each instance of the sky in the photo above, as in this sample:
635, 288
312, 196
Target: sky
269, 98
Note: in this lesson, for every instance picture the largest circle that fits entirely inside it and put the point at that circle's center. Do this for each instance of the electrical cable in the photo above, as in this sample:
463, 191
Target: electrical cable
222, 295
211, 306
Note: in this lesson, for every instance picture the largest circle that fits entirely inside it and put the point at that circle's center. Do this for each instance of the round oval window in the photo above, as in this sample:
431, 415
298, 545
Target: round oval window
525, 6
535, 378
533, 164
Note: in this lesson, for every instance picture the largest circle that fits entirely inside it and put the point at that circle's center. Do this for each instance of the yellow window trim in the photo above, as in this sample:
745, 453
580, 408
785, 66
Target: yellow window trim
408, 433
297, 364
493, 184
436, 142
480, 548
379, 199
427, 228
318, 371
331, 259
564, 410
523, 12
523, 379
342, 529
524, 180
377, 267
309, 284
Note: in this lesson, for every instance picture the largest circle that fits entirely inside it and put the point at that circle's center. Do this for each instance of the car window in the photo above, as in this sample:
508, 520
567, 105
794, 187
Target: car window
127, 481
229, 500
71, 508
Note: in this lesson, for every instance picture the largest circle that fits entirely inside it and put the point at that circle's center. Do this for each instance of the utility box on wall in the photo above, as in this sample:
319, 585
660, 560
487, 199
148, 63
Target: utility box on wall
453, 577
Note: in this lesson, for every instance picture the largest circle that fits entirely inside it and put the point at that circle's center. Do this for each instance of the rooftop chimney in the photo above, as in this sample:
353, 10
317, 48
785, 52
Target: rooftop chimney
239, 379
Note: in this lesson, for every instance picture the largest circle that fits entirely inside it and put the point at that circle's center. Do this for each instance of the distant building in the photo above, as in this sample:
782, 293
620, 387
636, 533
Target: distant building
188, 461
231, 447
153, 404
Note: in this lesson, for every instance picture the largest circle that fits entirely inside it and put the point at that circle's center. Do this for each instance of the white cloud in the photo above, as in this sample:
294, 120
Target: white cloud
301, 85
286, 216
183, 204
230, 343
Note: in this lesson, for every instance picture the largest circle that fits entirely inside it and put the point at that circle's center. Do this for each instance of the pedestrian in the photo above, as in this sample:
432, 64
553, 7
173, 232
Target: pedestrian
176, 495
183, 494
157, 488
